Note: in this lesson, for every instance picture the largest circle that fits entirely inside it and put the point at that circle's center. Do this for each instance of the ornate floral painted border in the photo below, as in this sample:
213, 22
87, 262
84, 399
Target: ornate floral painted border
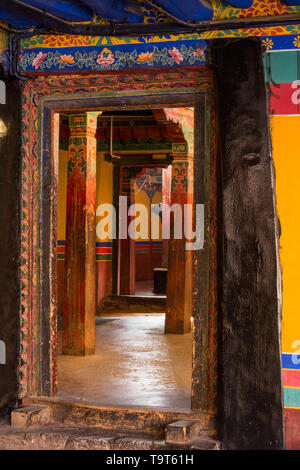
172, 54
113, 58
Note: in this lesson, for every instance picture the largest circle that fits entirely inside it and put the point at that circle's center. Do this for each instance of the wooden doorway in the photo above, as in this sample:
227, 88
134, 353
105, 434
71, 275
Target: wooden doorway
37, 371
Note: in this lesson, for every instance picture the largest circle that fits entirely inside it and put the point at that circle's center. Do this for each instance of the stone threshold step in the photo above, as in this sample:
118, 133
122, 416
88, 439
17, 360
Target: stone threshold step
61, 437
140, 304
150, 420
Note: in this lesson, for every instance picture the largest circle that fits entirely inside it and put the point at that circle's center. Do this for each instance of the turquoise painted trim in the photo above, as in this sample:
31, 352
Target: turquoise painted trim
283, 66
291, 397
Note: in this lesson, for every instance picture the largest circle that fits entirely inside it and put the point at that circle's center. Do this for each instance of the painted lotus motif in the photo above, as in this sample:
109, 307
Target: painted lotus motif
106, 57
38, 60
145, 56
67, 59
176, 55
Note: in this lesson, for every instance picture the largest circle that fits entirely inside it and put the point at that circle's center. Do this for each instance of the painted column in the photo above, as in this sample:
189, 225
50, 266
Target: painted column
166, 199
180, 273
80, 258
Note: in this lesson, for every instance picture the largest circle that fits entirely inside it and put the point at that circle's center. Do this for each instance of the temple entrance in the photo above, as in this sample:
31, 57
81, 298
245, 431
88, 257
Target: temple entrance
76, 293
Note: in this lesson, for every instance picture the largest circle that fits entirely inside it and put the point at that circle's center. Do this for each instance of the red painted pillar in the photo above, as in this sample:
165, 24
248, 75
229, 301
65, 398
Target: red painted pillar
80, 257
180, 270
127, 265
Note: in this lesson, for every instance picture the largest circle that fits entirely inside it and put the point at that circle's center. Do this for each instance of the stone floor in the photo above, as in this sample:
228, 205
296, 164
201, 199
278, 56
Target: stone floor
144, 288
135, 364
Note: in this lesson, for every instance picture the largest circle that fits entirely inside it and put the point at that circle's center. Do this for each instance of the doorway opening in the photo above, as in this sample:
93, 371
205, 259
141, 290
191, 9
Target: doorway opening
143, 313
39, 361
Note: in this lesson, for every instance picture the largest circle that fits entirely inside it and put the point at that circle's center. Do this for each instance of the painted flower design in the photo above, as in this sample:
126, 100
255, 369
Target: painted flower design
268, 43
67, 59
296, 41
38, 60
176, 55
106, 57
145, 57
198, 52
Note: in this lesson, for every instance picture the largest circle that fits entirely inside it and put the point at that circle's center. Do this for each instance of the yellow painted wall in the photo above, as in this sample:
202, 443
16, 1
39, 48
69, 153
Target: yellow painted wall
104, 182
104, 188
286, 153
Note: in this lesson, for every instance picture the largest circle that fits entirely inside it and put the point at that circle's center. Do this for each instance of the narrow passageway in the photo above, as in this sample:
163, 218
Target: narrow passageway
135, 364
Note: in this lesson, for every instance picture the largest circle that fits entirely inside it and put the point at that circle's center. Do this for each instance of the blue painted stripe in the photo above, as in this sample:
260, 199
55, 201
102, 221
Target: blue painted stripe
291, 361
291, 397
104, 244
282, 42
101, 244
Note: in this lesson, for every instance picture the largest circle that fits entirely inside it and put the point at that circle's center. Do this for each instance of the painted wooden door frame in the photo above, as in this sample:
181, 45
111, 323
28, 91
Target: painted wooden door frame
43, 99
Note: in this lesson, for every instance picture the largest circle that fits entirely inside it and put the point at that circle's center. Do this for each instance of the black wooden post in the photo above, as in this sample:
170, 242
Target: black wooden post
10, 171
250, 394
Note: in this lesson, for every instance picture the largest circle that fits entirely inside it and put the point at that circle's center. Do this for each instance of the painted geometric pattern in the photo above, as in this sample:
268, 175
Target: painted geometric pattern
291, 380
146, 247
103, 251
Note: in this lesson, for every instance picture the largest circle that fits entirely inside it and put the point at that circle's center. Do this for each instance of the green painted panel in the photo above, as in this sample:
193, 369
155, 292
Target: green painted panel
284, 68
291, 397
